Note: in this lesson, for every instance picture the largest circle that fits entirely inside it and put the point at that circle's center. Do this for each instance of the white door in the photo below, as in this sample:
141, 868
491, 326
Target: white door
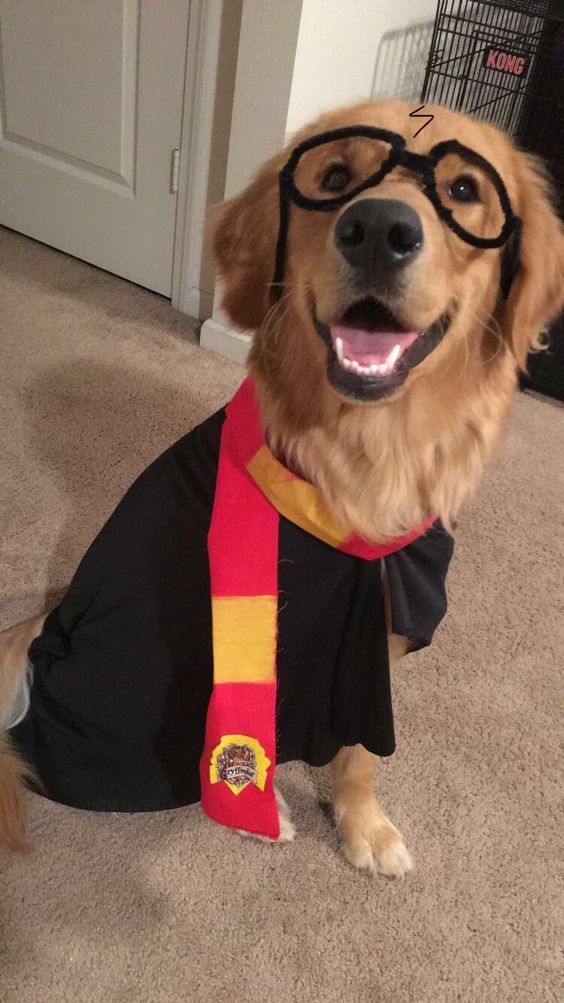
91, 108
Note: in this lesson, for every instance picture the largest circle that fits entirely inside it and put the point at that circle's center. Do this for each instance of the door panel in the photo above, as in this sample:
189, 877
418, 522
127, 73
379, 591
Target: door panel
91, 106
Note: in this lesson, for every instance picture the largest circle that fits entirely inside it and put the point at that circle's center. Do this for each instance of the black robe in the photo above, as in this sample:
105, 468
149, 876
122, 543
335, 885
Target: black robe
123, 669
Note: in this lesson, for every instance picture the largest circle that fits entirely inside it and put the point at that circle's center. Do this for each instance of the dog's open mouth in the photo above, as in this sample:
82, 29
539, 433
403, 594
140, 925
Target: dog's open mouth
370, 353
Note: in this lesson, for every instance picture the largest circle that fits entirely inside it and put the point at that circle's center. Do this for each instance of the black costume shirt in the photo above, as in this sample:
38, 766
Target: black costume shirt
123, 670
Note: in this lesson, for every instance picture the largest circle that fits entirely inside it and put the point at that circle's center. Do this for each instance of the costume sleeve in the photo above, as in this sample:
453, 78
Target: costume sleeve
417, 583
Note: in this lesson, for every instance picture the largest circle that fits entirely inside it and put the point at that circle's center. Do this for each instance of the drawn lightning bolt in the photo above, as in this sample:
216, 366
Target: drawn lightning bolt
415, 114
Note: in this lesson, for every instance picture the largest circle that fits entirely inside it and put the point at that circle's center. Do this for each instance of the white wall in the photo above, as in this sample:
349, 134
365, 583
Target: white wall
337, 47
265, 68
213, 52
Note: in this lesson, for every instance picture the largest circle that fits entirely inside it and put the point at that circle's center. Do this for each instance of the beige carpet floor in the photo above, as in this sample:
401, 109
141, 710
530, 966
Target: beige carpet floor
96, 378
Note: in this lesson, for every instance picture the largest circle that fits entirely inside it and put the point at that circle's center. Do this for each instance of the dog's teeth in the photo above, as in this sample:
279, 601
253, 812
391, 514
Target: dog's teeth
393, 357
352, 365
339, 348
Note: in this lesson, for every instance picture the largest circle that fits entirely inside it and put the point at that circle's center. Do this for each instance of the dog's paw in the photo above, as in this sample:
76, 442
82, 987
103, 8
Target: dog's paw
370, 842
287, 827
287, 831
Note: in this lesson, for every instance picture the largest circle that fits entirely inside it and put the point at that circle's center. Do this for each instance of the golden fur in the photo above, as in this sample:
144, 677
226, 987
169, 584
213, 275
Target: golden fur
382, 467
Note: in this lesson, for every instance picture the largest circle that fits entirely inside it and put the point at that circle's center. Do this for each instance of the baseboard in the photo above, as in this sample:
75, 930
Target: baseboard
198, 304
231, 344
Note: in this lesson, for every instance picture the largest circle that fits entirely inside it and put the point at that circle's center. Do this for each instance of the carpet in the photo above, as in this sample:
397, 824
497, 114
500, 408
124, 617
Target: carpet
97, 377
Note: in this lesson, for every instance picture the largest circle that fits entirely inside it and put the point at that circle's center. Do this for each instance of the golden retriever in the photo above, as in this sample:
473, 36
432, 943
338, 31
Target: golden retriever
385, 352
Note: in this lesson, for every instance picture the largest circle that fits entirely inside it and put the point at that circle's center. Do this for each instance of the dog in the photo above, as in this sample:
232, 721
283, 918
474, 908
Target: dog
395, 286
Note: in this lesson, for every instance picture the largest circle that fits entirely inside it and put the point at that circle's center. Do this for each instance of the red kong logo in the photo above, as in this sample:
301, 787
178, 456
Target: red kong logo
506, 62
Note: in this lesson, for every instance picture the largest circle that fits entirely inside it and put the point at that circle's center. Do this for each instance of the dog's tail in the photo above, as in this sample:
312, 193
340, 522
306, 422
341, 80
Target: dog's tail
13, 774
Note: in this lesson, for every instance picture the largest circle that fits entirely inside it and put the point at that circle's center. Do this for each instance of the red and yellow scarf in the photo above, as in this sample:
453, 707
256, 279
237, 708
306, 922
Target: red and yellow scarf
252, 490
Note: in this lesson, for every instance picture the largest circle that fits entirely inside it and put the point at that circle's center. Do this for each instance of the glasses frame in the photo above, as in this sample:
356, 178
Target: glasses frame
423, 165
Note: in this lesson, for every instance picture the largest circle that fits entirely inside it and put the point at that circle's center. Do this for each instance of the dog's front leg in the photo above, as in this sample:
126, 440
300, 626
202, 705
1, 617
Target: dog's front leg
369, 840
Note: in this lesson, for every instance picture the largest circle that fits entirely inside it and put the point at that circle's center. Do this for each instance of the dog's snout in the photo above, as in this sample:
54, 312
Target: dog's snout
379, 234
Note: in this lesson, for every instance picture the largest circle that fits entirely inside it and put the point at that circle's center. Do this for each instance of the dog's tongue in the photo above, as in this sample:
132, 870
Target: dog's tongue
379, 349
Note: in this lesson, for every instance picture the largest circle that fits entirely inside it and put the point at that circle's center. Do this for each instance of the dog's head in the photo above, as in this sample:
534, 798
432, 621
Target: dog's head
381, 282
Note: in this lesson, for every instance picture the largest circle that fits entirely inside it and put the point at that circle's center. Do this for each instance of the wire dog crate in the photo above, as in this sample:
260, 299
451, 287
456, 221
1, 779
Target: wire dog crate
484, 55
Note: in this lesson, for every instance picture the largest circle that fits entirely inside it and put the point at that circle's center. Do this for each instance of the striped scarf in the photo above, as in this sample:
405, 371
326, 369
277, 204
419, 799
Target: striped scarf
252, 490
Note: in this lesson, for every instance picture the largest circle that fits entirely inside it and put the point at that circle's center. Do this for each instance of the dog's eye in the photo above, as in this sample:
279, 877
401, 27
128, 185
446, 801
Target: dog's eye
464, 189
336, 178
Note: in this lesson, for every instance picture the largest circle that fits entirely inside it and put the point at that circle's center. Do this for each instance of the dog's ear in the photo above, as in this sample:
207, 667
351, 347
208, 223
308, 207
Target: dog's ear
243, 236
537, 292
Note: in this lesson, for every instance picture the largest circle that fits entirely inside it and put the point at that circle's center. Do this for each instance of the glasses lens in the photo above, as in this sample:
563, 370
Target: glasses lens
334, 169
467, 190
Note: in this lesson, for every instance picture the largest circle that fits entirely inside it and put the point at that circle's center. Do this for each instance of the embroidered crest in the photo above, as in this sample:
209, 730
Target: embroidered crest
237, 761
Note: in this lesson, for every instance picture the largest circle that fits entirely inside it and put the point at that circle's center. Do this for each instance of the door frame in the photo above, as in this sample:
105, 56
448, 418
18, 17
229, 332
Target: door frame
198, 133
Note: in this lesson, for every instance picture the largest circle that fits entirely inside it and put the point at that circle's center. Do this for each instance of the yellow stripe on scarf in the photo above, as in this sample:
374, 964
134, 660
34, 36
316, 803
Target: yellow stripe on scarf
244, 639
295, 499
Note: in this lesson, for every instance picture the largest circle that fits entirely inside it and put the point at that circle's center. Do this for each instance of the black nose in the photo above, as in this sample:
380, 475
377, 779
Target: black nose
379, 235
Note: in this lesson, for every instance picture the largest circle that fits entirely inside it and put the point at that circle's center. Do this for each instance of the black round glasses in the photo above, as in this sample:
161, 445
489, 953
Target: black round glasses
466, 191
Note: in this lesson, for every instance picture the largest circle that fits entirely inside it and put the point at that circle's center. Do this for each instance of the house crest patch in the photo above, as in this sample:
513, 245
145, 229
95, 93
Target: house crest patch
238, 761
